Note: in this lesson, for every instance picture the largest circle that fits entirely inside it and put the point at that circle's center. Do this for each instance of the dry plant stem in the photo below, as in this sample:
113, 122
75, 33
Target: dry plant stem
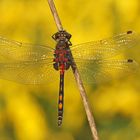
77, 77
85, 102
55, 15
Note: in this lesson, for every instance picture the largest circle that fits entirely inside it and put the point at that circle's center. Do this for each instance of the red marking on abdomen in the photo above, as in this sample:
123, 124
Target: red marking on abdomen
62, 69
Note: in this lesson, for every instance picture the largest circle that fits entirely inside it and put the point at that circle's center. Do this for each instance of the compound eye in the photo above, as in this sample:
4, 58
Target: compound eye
57, 36
68, 36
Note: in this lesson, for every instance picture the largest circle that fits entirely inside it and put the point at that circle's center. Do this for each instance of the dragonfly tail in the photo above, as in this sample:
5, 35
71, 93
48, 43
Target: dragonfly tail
61, 99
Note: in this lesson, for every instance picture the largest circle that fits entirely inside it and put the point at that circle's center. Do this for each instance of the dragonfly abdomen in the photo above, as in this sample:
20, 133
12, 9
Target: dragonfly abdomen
61, 95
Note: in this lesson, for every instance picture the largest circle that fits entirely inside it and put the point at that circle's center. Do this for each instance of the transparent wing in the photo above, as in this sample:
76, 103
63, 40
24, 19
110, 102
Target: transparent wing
12, 50
30, 72
96, 71
105, 48
26, 63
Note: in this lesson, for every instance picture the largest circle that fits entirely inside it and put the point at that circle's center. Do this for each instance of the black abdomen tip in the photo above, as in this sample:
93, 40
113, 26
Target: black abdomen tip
130, 61
129, 32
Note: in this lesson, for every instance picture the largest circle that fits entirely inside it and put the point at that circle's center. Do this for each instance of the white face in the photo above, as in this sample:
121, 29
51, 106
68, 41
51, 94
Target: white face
62, 37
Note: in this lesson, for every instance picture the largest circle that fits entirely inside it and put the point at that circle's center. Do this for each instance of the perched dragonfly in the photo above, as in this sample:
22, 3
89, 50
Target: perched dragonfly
37, 64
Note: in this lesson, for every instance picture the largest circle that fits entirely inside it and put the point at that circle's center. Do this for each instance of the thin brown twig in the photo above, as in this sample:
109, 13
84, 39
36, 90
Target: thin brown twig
55, 15
78, 78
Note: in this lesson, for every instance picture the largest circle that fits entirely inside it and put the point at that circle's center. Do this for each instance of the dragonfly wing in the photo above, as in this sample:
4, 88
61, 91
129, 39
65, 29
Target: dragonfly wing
26, 63
12, 50
105, 48
97, 71
28, 72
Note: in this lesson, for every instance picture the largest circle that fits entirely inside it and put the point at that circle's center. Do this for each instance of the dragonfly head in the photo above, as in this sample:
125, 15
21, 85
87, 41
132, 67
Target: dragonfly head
61, 36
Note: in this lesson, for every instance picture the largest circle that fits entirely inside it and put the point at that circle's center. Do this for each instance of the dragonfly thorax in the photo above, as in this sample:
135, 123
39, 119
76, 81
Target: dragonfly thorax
62, 57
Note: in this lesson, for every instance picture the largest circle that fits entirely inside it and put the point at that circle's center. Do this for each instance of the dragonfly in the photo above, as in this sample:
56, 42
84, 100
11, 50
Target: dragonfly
38, 64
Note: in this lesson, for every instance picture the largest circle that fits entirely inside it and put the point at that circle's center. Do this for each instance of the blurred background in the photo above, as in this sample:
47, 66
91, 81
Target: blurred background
30, 112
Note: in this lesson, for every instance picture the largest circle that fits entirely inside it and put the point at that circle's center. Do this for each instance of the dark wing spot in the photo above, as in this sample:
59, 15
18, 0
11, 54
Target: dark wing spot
129, 32
130, 61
